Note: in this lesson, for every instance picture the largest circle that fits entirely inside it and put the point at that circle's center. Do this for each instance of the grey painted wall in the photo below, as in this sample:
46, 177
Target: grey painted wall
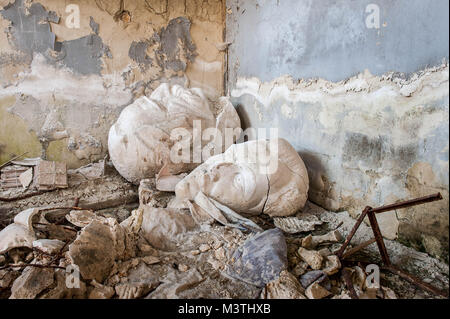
366, 138
329, 38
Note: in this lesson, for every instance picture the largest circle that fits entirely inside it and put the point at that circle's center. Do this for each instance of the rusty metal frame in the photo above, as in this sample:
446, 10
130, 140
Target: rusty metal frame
387, 265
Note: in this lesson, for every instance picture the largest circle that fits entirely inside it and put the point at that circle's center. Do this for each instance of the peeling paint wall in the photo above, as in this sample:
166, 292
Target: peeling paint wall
367, 109
61, 88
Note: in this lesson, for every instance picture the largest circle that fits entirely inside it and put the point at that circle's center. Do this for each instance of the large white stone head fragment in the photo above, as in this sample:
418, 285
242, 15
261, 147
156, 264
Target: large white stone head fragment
140, 141
251, 178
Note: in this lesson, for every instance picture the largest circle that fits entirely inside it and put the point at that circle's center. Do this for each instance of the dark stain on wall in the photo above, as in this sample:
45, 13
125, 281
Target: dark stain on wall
173, 47
361, 148
138, 53
31, 33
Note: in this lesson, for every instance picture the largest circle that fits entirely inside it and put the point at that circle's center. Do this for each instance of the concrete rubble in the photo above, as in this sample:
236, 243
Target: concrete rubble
185, 232
161, 252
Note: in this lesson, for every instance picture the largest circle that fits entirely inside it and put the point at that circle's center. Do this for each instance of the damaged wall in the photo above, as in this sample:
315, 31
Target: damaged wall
61, 87
366, 108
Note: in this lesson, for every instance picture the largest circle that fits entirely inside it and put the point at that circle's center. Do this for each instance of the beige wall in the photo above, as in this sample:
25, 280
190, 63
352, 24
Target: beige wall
61, 102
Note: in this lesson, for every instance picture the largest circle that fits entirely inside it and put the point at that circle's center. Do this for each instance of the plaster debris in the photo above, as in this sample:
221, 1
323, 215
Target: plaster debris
316, 291
97, 239
311, 257
293, 225
48, 246
31, 283
314, 241
285, 287
26, 178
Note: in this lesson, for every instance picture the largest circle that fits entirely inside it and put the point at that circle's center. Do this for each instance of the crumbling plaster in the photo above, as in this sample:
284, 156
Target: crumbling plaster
64, 87
372, 128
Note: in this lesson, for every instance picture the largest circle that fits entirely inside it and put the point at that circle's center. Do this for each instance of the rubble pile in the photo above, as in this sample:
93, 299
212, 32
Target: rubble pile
163, 252
228, 228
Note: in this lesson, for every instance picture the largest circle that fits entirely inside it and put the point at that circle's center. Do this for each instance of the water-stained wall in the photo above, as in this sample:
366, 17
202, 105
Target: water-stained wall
364, 103
65, 77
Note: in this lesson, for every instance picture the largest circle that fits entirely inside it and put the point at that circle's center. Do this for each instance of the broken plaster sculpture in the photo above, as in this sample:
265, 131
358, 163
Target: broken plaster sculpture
140, 141
246, 184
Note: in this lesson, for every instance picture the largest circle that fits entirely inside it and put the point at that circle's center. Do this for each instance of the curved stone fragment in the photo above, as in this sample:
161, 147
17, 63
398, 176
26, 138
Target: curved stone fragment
15, 236
25, 218
82, 218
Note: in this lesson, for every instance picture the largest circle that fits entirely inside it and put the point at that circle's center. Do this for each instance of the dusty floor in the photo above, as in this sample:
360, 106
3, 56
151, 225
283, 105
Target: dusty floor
190, 264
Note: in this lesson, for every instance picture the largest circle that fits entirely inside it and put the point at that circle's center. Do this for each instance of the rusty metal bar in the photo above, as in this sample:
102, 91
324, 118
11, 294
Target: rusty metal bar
379, 238
371, 213
352, 233
407, 203
349, 283
416, 281
358, 248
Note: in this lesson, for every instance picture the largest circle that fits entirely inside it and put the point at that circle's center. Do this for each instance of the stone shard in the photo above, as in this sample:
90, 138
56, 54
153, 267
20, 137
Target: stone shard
199, 214
82, 218
260, 259
316, 291
164, 228
150, 196
139, 282
314, 276
144, 127
32, 281
93, 251
359, 277
312, 242
294, 225
247, 182
59, 289
48, 246
177, 285
204, 203
388, 293
311, 257
332, 265
7, 277
101, 291
285, 287
26, 178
